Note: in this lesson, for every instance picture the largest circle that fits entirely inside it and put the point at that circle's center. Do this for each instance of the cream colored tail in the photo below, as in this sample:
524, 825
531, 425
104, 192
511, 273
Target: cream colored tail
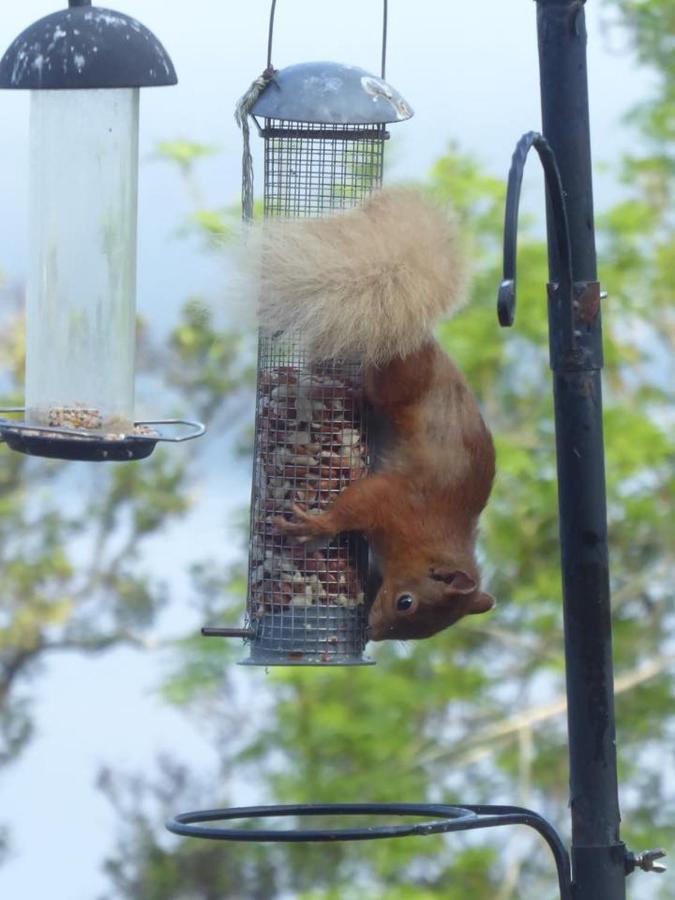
369, 283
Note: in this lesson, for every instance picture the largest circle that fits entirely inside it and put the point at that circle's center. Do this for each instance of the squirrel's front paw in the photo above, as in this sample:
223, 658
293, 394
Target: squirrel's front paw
307, 527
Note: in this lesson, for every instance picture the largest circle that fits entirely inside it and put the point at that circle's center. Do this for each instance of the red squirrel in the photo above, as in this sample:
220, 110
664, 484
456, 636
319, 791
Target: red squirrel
370, 283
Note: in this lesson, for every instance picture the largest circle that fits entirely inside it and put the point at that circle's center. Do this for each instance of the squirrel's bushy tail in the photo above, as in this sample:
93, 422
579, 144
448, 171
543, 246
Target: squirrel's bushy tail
368, 283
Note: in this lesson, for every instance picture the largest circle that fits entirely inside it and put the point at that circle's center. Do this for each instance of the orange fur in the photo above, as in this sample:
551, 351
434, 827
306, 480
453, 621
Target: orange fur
370, 283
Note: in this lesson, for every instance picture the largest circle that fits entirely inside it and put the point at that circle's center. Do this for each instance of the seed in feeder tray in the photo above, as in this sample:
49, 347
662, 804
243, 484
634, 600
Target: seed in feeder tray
74, 417
144, 431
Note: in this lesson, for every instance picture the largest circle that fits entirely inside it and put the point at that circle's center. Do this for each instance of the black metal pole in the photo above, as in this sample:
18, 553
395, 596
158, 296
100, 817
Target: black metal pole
598, 856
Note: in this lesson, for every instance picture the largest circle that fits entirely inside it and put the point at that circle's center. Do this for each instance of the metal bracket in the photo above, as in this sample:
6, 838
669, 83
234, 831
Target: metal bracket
440, 818
585, 351
587, 297
574, 335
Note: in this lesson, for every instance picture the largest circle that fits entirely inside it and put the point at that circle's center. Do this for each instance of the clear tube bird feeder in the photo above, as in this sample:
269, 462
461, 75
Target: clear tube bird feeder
324, 131
81, 284
84, 67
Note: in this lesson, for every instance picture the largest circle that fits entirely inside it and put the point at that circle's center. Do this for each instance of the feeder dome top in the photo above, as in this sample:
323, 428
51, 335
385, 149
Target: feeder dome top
332, 94
84, 47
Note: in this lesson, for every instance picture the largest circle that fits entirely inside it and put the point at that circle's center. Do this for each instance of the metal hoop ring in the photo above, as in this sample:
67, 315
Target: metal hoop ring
192, 823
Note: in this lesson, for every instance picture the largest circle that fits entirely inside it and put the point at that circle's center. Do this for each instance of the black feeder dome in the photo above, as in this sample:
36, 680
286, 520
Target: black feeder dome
83, 47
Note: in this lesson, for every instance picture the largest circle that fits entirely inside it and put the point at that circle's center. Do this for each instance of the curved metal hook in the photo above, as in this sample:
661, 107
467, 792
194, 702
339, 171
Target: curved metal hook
506, 300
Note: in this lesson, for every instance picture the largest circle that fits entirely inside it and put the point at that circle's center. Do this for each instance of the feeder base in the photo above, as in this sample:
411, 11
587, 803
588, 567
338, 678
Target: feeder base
83, 450
56, 442
276, 659
261, 656
309, 636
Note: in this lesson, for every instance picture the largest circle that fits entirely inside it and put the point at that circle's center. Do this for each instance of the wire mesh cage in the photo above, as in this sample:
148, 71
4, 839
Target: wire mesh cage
311, 168
306, 604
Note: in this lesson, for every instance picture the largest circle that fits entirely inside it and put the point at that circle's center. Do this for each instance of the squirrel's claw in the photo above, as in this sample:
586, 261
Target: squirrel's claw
303, 530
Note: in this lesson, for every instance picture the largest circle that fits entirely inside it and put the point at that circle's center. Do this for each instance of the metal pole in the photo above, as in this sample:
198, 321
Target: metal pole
598, 856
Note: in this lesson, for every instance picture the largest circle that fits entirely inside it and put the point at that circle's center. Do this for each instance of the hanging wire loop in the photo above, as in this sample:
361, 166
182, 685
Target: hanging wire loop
506, 300
270, 34
383, 65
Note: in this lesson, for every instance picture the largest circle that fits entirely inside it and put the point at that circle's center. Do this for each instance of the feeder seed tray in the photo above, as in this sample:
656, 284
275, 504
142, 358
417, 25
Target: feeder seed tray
75, 443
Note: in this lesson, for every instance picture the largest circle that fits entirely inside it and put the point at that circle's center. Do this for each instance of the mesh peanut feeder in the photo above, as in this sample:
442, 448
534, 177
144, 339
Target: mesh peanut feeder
324, 128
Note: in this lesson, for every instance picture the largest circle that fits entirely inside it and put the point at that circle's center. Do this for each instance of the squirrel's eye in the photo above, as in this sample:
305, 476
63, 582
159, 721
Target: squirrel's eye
404, 602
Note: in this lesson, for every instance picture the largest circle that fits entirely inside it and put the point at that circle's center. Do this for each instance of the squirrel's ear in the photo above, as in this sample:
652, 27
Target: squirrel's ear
458, 582
480, 603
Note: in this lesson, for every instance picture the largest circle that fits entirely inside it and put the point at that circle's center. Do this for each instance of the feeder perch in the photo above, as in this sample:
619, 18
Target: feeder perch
324, 130
84, 66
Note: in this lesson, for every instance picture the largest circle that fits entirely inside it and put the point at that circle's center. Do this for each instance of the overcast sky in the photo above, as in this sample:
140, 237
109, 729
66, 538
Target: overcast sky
470, 72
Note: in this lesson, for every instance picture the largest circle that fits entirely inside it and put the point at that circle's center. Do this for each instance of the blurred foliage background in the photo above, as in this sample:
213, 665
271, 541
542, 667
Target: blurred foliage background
476, 714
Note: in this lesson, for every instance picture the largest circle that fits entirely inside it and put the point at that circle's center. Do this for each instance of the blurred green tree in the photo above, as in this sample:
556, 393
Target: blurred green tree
477, 713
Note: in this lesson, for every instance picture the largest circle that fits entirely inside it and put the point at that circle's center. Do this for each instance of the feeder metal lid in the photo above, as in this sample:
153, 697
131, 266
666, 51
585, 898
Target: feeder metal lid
332, 94
85, 47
